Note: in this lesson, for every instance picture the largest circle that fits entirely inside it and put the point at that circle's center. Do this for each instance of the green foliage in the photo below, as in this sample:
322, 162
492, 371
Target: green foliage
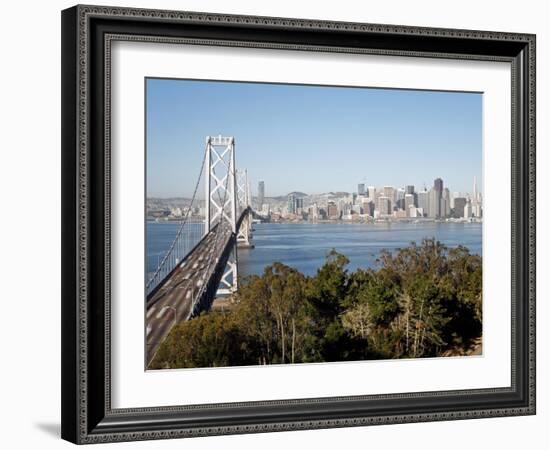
423, 300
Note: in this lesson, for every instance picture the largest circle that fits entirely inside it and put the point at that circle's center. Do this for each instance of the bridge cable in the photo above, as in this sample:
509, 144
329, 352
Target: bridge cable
166, 257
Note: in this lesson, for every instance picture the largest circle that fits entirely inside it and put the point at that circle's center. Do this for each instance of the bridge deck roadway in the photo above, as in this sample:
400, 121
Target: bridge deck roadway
173, 302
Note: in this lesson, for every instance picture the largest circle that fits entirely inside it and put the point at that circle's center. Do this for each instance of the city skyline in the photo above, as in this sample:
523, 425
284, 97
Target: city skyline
313, 139
367, 203
265, 194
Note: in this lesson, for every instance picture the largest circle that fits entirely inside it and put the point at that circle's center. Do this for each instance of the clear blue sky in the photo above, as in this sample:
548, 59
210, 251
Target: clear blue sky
313, 139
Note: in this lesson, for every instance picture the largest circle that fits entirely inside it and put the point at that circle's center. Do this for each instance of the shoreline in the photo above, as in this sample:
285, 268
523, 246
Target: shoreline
345, 222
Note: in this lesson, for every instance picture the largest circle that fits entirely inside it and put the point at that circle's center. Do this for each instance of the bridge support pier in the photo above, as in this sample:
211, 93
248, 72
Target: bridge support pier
229, 281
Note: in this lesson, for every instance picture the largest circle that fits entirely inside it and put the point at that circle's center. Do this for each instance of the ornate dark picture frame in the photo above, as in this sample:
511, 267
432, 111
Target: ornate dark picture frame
87, 33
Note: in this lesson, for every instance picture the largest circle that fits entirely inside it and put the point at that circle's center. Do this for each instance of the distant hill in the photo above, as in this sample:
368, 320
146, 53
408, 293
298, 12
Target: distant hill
337, 194
282, 198
296, 194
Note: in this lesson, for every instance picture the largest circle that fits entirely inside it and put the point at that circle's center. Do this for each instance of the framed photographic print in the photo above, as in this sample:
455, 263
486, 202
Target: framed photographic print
281, 224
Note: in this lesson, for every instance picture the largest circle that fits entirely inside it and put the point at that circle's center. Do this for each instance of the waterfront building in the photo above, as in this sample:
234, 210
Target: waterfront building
468, 210
476, 201
314, 211
476, 210
368, 207
454, 196
176, 212
291, 204
433, 203
423, 201
446, 207
332, 211
299, 205
437, 204
459, 205
400, 214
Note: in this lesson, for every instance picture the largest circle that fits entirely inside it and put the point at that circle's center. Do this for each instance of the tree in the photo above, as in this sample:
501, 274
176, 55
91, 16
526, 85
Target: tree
423, 300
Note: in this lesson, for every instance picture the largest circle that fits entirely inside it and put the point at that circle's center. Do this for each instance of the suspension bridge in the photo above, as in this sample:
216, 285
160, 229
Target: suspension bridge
201, 263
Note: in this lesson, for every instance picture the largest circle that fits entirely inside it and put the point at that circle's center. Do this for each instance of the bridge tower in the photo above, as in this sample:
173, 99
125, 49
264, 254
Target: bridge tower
221, 198
244, 234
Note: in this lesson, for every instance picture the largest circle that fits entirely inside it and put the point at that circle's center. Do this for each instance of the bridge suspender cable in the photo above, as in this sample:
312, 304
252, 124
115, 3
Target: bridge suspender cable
164, 267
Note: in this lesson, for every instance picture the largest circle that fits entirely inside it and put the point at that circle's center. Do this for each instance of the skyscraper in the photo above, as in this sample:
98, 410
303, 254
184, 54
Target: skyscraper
434, 198
400, 198
476, 201
361, 188
384, 206
423, 201
446, 203
389, 192
409, 189
409, 201
291, 204
437, 203
468, 210
261, 193
371, 192
459, 205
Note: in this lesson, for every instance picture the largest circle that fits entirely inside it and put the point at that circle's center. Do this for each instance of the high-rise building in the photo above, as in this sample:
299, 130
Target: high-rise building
400, 198
446, 206
409, 201
368, 207
314, 212
476, 201
437, 204
261, 193
409, 189
384, 206
332, 211
423, 201
371, 192
459, 204
476, 210
389, 192
434, 203
299, 205
361, 188
468, 210
453, 196
291, 204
